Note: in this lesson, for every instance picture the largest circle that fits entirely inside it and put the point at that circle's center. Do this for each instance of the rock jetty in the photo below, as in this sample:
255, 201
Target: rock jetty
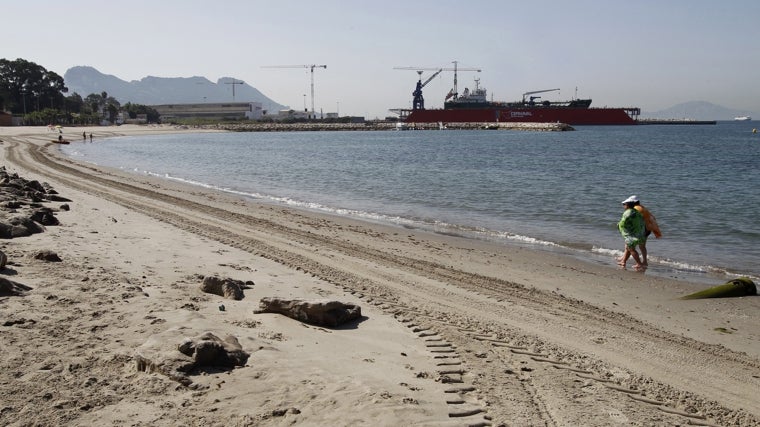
385, 126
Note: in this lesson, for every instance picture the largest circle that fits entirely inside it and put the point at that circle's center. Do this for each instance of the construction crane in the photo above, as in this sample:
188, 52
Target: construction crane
455, 69
312, 67
536, 91
233, 83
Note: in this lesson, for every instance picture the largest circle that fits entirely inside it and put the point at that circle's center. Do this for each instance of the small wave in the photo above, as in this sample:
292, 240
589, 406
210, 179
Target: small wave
524, 239
606, 251
436, 226
719, 273
683, 266
706, 269
458, 230
678, 265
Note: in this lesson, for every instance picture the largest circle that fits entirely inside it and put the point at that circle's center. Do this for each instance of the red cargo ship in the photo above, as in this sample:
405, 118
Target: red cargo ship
474, 107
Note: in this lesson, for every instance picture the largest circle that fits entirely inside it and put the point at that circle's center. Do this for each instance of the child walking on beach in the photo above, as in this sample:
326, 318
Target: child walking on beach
631, 227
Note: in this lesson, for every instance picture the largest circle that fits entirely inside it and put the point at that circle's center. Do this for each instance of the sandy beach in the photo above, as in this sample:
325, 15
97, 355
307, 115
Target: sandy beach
453, 332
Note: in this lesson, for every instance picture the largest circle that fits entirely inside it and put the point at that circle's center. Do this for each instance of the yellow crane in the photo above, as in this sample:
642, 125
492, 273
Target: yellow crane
312, 67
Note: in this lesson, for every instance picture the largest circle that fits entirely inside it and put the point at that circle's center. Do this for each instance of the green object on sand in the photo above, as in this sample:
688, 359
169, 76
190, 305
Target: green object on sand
739, 287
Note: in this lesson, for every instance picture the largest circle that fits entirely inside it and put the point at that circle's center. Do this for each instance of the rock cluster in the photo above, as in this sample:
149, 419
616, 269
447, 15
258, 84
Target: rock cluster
385, 126
301, 127
21, 210
319, 312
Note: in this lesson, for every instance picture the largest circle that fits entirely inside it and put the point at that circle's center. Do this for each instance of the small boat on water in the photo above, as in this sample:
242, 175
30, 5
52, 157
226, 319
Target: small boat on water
62, 141
743, 118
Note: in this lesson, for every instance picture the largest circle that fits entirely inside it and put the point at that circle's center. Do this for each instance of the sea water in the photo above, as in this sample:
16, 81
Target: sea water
558, 191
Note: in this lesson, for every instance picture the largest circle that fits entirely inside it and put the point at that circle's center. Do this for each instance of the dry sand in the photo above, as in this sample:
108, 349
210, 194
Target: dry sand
456, 332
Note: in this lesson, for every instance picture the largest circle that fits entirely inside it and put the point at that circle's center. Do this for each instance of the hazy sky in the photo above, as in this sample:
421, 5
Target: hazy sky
651, 54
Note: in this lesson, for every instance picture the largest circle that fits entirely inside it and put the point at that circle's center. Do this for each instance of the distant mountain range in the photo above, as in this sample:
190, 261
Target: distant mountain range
698, 110
164, 90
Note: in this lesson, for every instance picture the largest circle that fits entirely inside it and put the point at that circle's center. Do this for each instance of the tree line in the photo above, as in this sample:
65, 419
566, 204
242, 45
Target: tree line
38, 95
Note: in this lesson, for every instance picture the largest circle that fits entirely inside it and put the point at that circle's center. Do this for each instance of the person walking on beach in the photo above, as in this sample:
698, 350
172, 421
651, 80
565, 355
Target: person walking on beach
650, 226
631, 227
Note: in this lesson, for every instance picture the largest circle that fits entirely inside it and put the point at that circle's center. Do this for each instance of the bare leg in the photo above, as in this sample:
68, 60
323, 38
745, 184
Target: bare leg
638, 265
643, 254
624, 259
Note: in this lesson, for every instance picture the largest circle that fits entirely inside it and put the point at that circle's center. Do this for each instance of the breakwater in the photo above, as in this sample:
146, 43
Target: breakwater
383, 126
675, 122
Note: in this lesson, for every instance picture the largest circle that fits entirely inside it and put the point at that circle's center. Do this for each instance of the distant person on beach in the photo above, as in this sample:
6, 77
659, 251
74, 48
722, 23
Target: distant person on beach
650, 226
84, 135
60, 138
90, 136
631, 227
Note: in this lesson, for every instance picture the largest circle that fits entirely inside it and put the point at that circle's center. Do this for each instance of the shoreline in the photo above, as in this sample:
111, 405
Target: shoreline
662, 266
482, 299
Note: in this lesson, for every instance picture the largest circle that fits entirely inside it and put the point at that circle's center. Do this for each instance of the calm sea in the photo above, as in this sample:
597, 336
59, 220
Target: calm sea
558, 191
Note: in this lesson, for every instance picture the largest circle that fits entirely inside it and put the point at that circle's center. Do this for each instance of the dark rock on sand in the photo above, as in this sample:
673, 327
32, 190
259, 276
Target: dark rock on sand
228, 288
57, 198
738, 287
9, 288
163, 355
209, 350
12, 226
44, 216
318, 312
47, 255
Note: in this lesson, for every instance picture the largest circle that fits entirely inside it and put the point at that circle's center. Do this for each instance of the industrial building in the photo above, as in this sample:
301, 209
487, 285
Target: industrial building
227, 110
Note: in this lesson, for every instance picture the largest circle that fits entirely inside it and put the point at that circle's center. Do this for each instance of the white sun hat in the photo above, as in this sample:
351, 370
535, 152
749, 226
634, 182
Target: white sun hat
632, 199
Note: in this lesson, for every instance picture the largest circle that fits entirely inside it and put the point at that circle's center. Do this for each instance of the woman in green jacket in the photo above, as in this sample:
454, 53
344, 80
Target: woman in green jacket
631, 227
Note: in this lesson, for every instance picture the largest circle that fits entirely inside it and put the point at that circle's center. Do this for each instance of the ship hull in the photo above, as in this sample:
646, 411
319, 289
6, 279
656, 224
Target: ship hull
571, 116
